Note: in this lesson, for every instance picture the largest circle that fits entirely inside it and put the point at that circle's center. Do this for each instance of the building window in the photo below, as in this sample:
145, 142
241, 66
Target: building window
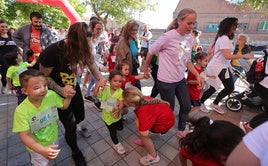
212, 27
263, 26
243, 26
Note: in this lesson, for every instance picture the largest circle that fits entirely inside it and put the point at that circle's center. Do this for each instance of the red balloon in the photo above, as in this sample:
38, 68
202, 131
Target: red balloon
65, 6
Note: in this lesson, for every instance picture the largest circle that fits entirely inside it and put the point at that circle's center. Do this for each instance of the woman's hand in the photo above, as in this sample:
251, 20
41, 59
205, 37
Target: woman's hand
69, 91
249, 55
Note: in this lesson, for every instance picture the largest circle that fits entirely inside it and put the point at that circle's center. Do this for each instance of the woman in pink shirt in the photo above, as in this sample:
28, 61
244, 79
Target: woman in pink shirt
174, 48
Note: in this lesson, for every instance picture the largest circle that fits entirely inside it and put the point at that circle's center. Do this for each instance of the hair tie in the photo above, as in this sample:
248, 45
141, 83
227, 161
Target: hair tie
210, 122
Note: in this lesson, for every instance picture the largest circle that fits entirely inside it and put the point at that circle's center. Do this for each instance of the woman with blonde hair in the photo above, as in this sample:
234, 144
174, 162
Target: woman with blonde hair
174, 48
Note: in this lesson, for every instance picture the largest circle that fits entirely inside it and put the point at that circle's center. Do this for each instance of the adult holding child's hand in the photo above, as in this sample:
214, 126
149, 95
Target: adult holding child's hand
60, 62
174, 48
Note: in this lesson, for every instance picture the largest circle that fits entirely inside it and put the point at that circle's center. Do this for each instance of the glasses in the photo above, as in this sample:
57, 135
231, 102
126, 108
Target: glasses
134, 30
99, 29
3, 26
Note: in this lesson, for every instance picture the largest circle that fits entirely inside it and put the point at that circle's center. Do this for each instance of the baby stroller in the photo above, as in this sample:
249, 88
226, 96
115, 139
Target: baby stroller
236, 100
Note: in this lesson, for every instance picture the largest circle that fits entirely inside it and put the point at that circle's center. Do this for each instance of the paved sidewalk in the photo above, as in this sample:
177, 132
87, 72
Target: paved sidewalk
98, 148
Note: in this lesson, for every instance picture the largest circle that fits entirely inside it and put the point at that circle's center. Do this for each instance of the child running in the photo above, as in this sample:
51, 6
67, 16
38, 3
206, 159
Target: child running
112, 104
35, 118
210, 143
128, 80
201, 59
15, 67
154, 116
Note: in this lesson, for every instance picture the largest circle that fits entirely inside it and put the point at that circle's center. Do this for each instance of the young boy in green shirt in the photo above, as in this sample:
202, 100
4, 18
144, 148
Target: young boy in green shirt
35, 118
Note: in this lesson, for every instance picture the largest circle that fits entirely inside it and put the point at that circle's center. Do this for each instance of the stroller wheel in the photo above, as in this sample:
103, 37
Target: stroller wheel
233, 104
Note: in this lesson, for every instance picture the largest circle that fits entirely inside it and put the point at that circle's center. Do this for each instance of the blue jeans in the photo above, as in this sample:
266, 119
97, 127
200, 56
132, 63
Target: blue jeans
91, 84
168, 91
240, 69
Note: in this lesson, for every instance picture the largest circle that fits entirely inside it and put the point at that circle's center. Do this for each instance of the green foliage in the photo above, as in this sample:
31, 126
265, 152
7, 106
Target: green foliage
256, 4
17, 13
120, 10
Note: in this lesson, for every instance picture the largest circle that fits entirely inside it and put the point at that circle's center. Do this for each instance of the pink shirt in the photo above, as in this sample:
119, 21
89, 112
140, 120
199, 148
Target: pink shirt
174, 54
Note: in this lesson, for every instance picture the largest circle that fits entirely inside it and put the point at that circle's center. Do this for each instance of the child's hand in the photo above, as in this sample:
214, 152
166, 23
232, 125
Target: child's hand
69, 91
50, 152
36, 55
116, 111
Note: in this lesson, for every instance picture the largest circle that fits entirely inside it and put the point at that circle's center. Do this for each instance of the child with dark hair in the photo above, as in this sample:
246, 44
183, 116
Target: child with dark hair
128, 80
201, 59
154, 116
210, 143
15, 67
254, 122
111, 57
112, 104
35, 119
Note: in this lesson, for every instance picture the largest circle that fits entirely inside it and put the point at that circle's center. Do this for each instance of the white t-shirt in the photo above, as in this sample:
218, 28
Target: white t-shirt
257, 142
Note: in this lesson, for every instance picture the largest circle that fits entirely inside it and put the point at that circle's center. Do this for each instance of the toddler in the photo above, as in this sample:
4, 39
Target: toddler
35, 118
15, 67
154, 116
201, 59
210, 143
128, 80
111, 58
111, 104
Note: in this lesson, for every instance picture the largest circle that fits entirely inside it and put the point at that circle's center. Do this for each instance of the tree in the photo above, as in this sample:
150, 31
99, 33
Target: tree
256, 4
120, 10
17, 13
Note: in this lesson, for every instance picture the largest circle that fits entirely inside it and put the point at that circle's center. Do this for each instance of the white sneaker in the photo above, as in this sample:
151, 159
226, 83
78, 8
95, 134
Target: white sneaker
216, 108
119, 148
203, 108
148, 160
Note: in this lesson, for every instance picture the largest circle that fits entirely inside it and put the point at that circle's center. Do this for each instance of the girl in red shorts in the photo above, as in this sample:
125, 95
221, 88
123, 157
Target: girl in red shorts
154, 116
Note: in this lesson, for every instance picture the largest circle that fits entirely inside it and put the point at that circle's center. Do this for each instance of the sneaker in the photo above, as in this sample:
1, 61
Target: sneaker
79, 159
148, 160
216, 108
138, 142
119, 148
97, 103
90, 98
203, 108
84, 131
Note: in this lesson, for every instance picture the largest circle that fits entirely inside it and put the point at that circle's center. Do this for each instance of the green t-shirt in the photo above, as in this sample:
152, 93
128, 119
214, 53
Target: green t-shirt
25, 112
13, 72
107, 115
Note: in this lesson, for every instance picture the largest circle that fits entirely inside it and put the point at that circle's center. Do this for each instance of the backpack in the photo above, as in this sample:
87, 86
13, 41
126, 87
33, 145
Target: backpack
256, 72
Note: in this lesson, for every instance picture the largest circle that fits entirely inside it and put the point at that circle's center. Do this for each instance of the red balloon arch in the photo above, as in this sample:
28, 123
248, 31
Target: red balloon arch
65, 6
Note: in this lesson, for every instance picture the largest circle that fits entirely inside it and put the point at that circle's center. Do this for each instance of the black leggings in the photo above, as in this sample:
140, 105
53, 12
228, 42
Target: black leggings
3, 72
228, 88
113, 130
72, 116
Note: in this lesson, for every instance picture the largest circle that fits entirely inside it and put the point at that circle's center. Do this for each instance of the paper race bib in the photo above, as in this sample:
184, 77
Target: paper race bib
43, 118
109, 104
20, 71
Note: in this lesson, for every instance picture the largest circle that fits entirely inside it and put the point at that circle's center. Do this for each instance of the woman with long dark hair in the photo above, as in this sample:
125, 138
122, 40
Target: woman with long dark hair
220, 64
60, 62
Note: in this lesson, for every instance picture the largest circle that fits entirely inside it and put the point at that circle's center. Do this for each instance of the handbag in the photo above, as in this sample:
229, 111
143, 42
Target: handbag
135, 63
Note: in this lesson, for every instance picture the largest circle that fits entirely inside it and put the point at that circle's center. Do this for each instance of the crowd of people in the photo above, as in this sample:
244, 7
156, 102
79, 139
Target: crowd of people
44, 67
